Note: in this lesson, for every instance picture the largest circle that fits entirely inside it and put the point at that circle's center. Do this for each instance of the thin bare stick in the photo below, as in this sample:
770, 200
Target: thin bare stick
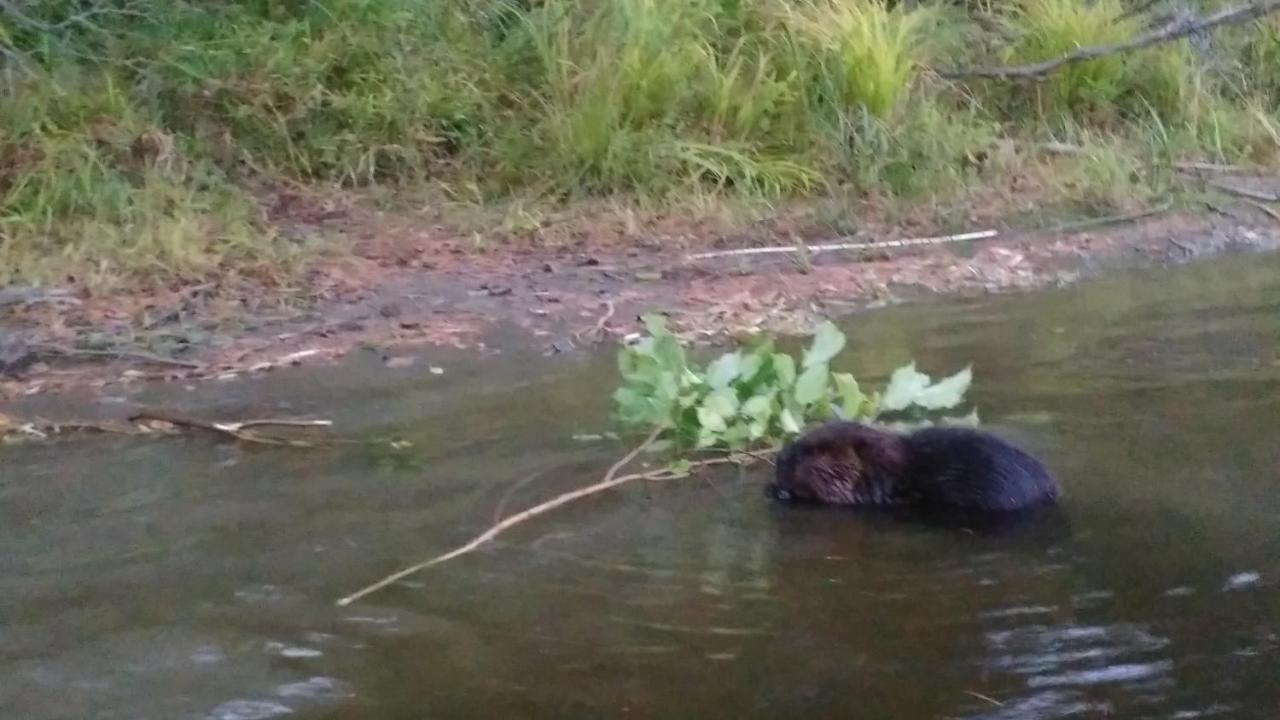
1172, 31
597, 331
1110, 219
506, 496
278, 422
117, 355
1061, 148
984, 698
1207, 167
1271, 212
232, 430
611, 480
883, 245
1230, 189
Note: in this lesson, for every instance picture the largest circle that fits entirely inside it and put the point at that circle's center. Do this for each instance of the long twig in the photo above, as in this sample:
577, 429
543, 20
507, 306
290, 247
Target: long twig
1231, 189
234, 430
610, 480
117, 355
1110, 219
1172, 31
1269, 211
1193, 166
883, 245
597, 331
511, 491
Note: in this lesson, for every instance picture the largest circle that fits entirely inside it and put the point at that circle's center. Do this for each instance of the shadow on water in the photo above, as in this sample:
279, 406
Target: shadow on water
190, 579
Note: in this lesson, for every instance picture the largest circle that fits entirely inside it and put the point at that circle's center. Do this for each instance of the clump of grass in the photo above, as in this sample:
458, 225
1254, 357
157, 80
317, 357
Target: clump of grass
92, 191
868, 52
640, 96
130, 138
1052, 28
931, 148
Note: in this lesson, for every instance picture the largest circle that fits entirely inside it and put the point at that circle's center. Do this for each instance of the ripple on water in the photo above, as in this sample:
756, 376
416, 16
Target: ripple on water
249, 710
1056, 663
1241, 581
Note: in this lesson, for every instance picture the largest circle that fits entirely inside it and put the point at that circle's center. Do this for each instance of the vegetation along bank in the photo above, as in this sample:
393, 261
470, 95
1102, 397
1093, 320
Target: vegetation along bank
204, 188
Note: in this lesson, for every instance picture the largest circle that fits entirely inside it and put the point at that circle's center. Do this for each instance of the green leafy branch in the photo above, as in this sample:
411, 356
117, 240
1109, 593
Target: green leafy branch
752, 397
758, 396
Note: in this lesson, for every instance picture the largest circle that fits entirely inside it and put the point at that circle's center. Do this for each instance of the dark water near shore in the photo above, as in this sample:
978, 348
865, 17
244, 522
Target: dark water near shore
187, 579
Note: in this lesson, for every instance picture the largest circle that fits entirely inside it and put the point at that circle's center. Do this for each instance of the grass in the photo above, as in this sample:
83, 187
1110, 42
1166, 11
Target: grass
135, 136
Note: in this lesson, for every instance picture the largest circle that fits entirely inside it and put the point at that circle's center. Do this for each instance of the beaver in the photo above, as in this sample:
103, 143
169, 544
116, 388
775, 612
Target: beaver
946, 469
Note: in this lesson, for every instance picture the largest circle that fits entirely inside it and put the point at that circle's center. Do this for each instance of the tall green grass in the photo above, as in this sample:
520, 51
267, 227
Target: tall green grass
131, 139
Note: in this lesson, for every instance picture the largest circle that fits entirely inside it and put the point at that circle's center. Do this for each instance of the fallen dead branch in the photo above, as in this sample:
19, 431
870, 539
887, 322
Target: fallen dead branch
235, 430
596, 332
133, 355
1263, 207
1232, 189
34, 295
1110, 219
610, 480
813, 249
1207, 167
41, 429
1175, 30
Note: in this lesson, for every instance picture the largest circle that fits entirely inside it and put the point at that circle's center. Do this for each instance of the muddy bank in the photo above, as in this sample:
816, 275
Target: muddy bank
402, 298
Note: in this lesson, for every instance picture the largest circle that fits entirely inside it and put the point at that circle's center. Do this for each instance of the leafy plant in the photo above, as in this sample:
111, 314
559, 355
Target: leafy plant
871, 49
758, 395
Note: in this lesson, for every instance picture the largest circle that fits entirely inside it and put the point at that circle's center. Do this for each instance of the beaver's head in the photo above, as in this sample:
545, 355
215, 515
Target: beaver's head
841, 463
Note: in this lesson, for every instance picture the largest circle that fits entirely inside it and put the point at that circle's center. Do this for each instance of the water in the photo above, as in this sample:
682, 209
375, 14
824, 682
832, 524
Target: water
188, 579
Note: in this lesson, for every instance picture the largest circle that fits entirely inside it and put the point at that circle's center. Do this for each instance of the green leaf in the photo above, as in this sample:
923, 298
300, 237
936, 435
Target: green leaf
667, 390
708, 438
750, 366
737, 435
788, 422
722, 402
635, 366
946, 393
724, 370
669, 354
812, 384
711, 421
688, 400
828, 341
784, 366
632, 406
758, 408
852, 400
656, 324
904, 385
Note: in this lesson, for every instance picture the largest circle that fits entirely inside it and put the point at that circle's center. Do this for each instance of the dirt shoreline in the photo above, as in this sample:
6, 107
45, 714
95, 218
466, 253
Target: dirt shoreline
394, 297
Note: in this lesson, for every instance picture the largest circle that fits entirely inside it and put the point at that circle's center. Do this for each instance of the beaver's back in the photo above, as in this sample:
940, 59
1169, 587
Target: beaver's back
976, 471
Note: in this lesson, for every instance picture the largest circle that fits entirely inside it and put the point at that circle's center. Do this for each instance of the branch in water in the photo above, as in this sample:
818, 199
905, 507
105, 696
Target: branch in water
611, 480
1173, 31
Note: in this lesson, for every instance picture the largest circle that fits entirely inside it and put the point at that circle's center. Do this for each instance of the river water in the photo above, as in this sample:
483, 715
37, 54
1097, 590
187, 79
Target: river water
185, 578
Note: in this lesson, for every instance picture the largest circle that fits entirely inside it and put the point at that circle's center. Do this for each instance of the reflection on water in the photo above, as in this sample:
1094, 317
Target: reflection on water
191, 580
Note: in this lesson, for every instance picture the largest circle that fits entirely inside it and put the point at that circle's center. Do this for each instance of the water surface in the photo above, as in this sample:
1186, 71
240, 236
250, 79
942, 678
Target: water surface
190, 579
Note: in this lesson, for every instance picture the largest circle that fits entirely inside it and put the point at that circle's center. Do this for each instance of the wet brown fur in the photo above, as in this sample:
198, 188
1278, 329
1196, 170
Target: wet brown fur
848, 463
